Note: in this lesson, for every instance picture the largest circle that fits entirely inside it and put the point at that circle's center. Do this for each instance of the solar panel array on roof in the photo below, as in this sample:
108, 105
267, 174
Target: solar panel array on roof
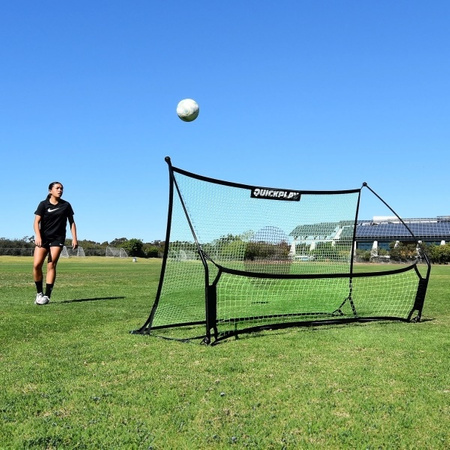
398, 231
421, 229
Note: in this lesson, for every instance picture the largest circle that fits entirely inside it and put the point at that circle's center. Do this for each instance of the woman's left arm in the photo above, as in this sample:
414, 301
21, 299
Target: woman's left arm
73, 230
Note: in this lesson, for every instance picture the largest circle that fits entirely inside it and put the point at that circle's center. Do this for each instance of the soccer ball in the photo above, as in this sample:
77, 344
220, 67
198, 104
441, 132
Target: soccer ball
187, 110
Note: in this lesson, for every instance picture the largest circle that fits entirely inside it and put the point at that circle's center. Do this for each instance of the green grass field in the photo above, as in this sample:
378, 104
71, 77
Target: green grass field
73, 377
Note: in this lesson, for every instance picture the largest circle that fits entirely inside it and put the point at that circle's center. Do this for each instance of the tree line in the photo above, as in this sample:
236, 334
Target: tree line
407, 251
438, 254
133, 247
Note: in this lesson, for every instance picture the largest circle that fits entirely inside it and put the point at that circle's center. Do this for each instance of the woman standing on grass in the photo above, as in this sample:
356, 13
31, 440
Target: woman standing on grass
50, 222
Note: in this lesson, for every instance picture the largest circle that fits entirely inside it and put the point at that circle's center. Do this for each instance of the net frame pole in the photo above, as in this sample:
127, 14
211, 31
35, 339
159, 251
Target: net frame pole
210, 290
352, 258
147, 325
427, 260
423, 280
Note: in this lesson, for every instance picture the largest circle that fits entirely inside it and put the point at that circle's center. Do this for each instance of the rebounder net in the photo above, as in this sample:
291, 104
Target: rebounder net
240, 258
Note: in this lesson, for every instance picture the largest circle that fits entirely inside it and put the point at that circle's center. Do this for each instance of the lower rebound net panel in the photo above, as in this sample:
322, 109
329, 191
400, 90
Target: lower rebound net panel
248, 302
251, 299
255, 302
390, 296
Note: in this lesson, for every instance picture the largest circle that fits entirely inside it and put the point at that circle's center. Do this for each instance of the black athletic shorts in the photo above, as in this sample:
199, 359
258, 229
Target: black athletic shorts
57, 242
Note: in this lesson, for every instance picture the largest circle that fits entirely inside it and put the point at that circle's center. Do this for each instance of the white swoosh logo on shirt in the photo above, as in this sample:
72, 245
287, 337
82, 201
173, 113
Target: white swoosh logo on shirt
51, 210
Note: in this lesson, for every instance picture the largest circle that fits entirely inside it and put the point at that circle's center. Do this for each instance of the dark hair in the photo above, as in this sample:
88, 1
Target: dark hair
50, 186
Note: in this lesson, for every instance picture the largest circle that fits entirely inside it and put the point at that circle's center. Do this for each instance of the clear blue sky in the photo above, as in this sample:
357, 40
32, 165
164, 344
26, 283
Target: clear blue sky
293, 94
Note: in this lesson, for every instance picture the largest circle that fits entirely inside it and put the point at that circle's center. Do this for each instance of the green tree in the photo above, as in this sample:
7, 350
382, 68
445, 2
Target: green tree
363, 255
118, 242
403, 251
234, 249
438, 254
326, 250
134, 247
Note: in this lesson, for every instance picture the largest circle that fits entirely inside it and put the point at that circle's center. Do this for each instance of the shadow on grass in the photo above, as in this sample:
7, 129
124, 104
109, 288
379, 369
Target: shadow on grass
280, 329
91, 299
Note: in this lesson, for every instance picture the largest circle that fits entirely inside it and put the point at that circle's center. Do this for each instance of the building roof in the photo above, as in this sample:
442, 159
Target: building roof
379, 228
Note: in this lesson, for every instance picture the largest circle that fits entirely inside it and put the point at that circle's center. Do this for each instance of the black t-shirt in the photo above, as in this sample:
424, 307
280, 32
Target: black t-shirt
54, 219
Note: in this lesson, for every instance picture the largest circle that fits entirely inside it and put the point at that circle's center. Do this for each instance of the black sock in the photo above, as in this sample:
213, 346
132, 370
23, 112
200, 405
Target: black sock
38, 286
48, 290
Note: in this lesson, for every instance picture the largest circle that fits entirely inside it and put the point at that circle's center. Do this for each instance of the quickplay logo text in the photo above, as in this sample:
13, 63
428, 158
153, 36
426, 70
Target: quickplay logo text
275, 194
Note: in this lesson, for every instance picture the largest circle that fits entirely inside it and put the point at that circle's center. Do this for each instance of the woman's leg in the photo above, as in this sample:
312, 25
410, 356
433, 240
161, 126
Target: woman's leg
53, 257
38, 261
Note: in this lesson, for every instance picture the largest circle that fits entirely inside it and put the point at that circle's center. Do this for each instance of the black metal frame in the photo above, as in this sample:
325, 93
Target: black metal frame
213, 336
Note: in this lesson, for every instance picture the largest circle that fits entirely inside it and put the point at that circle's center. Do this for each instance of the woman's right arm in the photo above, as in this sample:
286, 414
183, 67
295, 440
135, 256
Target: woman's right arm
37, 230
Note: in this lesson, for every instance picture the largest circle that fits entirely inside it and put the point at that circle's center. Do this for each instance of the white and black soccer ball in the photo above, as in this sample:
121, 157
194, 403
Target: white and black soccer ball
187, 110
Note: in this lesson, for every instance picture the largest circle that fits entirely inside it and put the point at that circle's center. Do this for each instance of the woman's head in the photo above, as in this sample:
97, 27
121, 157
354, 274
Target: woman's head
55, 189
